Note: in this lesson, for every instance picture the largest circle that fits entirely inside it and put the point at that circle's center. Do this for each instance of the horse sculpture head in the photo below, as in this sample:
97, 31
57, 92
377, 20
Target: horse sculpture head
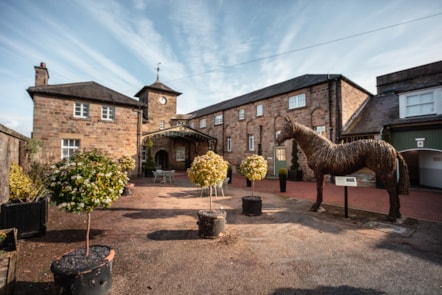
286, 132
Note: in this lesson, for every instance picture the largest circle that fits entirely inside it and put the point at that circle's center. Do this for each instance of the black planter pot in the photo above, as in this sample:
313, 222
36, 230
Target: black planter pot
211, 223
93, 279
282, 183
251, 205
30, 219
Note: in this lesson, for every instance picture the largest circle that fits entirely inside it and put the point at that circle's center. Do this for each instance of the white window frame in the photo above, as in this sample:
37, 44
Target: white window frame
162, 124
259, 110
320, 130
180, 154
68, 147
203, 123
241, 114
434, 105
251, 142
218, 119
107, 113
229, 144
81, 110
297, 101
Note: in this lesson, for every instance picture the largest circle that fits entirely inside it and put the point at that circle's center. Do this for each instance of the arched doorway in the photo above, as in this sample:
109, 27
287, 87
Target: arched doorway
162, 159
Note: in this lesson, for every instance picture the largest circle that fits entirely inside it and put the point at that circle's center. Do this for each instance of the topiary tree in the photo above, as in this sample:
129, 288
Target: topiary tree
89, 179
254, 167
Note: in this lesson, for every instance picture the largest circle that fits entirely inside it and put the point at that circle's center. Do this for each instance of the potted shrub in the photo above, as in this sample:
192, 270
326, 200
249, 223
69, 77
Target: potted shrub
89, 179
254, 168
282, 175
8, 260
208, 171
127, 164
295, 172
27, 207
150, 162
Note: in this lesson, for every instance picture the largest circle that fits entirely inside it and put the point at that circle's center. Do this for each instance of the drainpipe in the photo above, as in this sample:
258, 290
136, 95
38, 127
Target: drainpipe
260, 140
338, 110
330, 104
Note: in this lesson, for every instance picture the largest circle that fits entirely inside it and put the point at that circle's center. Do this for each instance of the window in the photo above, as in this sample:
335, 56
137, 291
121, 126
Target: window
192, 124
203, 123
242, 114
229, 144
320, 130
162, 124
81, 110
420, 103
107, 113
251, 142
68, 147
218, 119
180, 152
259, 110
297, 101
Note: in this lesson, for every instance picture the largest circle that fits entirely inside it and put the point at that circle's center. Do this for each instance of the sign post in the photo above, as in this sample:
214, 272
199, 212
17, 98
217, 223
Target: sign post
345, 181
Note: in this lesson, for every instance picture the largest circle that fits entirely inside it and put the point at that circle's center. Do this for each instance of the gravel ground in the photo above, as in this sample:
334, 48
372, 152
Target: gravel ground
286, 250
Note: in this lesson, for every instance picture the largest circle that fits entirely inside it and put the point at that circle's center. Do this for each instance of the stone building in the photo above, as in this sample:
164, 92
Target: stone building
249, 123
407, 112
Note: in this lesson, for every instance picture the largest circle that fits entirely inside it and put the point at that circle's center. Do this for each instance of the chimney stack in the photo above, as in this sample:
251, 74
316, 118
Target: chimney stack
41, 75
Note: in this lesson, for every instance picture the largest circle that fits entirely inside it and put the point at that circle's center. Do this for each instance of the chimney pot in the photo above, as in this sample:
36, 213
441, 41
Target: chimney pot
43, 65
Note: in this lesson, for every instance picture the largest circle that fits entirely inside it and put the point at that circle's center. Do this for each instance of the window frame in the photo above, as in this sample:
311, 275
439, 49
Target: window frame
229, 143
110, 113
251, 143
297, 101
67, 150
259, 110
241, 114
162, 124
219, 119
83, 110
203, 123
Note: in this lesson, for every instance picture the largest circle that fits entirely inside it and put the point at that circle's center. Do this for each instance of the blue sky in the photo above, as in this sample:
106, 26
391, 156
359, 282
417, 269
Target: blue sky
209, 50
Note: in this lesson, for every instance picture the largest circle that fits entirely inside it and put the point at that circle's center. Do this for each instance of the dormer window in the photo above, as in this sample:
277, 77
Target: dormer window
420, 103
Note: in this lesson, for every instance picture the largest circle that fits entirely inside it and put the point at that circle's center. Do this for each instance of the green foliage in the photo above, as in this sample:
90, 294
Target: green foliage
26, 187
150, 162
207, 170
282, 171
254, 167
88, 180
126, 163
295, 164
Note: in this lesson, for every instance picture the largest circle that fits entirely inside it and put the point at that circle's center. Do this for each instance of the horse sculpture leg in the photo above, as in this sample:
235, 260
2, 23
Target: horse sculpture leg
391, 187
319, 188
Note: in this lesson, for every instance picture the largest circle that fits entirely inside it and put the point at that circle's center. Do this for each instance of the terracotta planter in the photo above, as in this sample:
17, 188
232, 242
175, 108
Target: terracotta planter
8, 261
211, 223
251, 205
92, 279
30, 219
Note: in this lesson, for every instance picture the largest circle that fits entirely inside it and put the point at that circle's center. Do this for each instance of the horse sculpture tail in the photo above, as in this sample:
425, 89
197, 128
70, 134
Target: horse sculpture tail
403, 185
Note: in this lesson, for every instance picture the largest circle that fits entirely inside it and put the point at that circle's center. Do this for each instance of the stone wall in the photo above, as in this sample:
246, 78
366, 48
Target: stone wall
54, 120
12, 148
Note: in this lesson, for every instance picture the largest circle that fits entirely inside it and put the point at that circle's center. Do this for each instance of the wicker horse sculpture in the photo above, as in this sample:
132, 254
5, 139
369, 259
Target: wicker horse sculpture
326, 157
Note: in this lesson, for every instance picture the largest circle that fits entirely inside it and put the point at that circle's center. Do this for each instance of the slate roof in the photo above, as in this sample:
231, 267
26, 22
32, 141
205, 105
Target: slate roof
380, 110
383, 110
273, 90
91, 91
157, 85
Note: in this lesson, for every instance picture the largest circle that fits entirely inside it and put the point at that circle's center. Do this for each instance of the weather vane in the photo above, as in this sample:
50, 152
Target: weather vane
158, 71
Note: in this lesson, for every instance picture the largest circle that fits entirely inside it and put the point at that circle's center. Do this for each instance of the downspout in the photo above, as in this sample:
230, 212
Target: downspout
139, 151
338, 110
223, 136
330, 105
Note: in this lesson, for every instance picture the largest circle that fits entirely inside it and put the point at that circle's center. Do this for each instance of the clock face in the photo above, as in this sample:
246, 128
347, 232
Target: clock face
163, 100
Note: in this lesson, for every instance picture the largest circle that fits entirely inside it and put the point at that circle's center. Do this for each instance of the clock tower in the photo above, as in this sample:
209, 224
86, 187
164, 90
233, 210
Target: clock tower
161, 103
